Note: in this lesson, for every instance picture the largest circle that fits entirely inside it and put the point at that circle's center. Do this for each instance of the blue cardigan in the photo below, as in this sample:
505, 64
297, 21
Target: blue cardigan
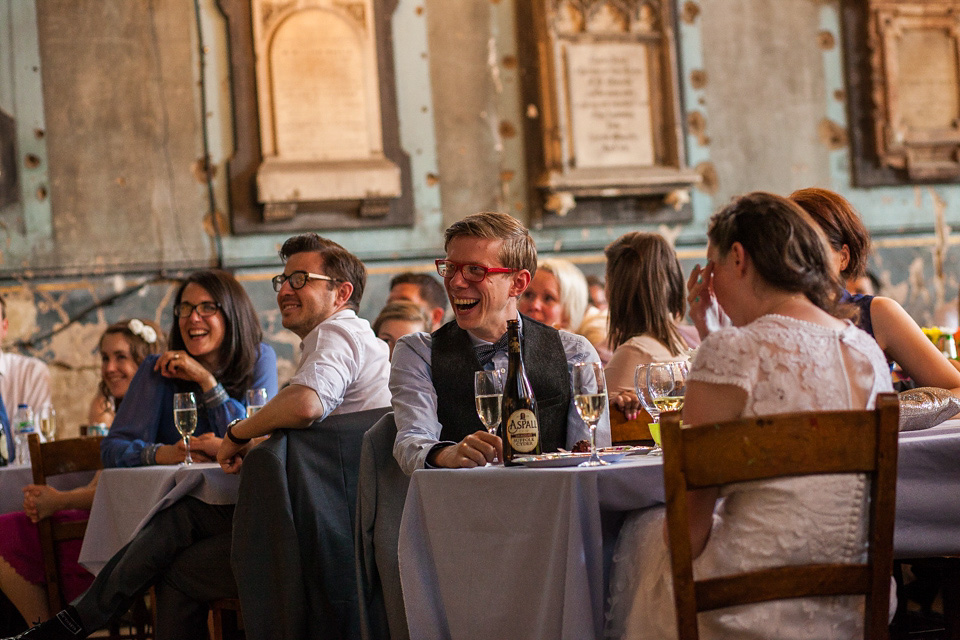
146, 414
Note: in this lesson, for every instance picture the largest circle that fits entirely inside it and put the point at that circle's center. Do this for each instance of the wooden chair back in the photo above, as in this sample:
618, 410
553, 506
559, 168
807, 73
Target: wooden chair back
51, 459
777, 446
623, 431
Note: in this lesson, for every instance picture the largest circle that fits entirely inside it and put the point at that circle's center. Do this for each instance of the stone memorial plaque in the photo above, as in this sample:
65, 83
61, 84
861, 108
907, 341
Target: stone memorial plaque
928, 94
603, 127
610, 107
320, 103
903, 74
318, 93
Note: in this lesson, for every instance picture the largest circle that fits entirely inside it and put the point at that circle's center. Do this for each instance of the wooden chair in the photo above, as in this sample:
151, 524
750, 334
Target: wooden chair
52, 459
784, 445
56, 458
226, 619
623, 431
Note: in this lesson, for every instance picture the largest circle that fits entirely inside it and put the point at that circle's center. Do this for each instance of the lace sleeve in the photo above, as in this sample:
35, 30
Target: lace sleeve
724, 358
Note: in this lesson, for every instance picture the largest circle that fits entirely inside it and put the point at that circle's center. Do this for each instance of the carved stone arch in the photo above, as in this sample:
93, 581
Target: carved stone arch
646, 17
569, 16
608, 16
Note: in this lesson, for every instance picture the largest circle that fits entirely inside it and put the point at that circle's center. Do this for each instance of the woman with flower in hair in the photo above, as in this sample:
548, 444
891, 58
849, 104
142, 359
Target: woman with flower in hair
123, 346
215, 352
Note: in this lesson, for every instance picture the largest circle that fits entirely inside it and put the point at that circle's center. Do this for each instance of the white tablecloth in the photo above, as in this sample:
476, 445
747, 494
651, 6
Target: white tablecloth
519, 553
14, 478
127, 498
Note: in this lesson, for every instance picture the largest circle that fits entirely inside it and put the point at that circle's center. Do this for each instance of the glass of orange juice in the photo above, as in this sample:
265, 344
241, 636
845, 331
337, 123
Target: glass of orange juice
655, 434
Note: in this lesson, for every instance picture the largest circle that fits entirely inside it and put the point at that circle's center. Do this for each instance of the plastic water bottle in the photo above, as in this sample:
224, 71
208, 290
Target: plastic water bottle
23, 426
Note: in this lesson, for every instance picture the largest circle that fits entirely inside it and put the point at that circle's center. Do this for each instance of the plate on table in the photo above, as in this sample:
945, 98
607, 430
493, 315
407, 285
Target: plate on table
626, 450
565, 459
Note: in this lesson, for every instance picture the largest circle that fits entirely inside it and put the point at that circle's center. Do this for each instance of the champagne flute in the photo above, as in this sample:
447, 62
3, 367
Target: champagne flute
185, 417
666, 386
48, 422
256, 398
488, 393
590, 398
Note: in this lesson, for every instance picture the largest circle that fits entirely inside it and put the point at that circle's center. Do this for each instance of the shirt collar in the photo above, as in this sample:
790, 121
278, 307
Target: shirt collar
475, 341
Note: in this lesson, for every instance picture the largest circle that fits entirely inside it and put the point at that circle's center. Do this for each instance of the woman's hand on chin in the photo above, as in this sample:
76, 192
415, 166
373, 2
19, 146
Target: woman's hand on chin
183, 366
700, 297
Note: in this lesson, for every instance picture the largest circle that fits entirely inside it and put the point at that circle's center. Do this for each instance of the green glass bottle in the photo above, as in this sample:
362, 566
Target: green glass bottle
520, 424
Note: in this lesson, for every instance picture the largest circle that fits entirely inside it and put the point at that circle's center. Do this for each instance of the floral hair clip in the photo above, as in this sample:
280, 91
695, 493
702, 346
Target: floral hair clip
144, 332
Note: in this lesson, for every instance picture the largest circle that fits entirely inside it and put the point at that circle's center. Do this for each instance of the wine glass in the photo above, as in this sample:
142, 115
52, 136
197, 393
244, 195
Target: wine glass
666, 387
185, 417
256, 398
590, 398
488, 393
48, 422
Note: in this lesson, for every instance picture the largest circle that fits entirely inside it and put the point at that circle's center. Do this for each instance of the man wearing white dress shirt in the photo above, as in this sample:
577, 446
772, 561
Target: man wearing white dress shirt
490, 260
343, 368
23, 379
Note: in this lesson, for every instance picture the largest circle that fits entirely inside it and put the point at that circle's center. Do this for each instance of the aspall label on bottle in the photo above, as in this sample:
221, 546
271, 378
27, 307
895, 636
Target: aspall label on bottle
522, 430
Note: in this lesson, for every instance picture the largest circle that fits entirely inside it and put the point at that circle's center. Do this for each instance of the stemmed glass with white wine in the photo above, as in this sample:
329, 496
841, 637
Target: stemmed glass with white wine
48, 422
185, 418
256, 398
488, 393
666, 386
590, 398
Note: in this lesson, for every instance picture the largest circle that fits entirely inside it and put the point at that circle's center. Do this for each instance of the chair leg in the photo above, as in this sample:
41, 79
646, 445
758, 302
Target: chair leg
217, 614
951, 597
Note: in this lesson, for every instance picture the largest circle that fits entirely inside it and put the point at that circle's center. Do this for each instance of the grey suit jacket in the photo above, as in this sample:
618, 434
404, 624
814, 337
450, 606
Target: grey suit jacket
382, 491
292, 551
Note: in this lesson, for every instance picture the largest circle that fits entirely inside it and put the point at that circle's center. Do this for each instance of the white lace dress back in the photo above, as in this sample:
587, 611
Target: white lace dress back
784, 365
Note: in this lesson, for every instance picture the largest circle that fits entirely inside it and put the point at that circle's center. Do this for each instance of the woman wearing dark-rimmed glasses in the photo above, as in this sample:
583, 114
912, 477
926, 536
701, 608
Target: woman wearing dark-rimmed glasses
216, 352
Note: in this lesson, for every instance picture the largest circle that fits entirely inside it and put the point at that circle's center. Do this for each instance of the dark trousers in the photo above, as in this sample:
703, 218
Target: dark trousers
184, 549
200, 575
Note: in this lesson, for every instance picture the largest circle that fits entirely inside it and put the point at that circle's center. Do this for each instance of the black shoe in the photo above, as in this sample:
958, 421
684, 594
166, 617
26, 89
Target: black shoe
63, 626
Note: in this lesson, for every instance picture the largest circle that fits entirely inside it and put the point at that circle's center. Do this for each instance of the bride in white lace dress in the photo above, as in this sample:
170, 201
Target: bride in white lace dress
769, 271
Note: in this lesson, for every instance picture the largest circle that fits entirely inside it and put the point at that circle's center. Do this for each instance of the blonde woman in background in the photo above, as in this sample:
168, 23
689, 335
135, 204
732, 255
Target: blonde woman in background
557, 296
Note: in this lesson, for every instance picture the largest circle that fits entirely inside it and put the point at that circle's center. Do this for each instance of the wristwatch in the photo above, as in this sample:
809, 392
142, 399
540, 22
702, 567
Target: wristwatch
234, 439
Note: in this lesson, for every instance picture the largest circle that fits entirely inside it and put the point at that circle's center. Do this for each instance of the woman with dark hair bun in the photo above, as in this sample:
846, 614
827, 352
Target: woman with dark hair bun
769, 269
215, 352
894, 330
